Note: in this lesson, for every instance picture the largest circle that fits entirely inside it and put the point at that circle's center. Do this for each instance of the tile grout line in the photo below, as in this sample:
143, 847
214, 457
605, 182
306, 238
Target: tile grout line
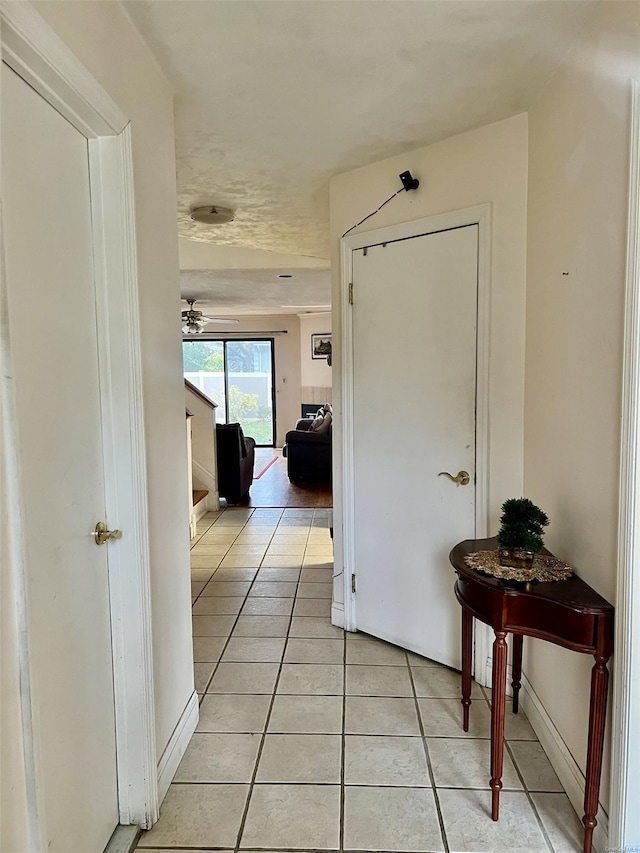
233, 627
343, 740
368, 734
247, 595
213, 571
529, 797
520, 776
230, 634
387, 787
235, 622
197, 538
263, 738
193, 544
193, 603
258, 849
428, 759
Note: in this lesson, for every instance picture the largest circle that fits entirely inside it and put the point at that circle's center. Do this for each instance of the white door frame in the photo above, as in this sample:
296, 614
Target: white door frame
479, 215
624, 822
33, 50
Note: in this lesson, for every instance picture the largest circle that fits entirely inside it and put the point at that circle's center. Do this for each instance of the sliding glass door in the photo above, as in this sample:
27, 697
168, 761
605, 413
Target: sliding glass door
238, 375
204, 368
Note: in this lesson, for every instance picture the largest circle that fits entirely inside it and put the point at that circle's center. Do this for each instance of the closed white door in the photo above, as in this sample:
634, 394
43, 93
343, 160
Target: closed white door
52, 315
415, 318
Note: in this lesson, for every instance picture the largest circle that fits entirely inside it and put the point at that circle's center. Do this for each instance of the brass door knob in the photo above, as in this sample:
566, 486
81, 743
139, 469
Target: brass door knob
102, 535
462, 478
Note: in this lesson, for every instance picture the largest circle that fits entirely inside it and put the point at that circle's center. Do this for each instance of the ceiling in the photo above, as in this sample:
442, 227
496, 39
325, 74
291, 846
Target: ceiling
253, 291
273, 98
231, 280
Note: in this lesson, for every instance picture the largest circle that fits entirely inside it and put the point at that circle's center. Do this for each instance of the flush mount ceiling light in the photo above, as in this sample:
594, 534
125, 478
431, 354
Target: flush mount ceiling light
212, 214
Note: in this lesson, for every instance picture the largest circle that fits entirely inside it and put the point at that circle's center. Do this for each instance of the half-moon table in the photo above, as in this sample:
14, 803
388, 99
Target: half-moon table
568, 613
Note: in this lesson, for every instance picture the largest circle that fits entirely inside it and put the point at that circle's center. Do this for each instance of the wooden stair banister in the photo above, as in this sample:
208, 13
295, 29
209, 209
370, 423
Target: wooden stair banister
203, 467
195, 390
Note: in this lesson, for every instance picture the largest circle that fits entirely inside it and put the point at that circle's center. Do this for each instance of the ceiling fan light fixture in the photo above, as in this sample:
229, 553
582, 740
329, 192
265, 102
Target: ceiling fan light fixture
192, 327
194, 321
212, 214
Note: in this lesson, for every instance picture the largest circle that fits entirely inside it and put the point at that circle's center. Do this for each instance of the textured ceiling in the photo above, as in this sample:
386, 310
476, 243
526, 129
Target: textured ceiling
240, 292
273, 98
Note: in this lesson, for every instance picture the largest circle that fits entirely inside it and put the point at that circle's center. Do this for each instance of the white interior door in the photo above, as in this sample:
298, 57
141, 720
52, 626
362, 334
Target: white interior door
52, 315
415, 318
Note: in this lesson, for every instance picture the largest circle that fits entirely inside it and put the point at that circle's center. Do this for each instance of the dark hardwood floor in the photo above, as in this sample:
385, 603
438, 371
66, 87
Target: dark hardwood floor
274, 489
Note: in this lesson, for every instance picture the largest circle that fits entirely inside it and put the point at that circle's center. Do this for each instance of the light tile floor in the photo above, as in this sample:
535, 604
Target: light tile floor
310, 739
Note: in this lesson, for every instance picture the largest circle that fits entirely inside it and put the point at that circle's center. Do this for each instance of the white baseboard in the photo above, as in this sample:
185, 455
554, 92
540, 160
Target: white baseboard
200, 509
178, 743
489, 676
564, 764
213, 501
337, 614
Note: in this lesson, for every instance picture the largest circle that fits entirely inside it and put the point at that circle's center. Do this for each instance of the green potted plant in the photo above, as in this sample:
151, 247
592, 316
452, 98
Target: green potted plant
522, 524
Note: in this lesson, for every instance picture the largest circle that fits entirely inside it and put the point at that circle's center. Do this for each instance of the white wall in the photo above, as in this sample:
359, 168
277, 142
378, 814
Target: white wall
102, 37
578, 189
314, 372
14, 827
203, 441
287, 359
485, 165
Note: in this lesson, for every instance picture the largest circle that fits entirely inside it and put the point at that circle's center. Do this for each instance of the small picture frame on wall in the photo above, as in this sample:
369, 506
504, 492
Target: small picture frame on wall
320, 345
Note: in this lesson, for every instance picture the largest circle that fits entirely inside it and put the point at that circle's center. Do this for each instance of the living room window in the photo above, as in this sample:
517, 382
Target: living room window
238, 375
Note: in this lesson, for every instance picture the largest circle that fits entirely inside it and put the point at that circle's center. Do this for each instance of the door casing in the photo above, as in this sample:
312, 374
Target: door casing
624, 822
33, 50
479, 215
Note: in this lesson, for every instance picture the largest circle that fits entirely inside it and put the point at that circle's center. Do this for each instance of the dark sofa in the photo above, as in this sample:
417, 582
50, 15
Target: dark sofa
235, 455
308, 452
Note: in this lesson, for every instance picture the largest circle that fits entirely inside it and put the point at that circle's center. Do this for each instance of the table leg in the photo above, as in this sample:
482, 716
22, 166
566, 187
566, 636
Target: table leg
517, 669
498, 696
467, 654
597, 712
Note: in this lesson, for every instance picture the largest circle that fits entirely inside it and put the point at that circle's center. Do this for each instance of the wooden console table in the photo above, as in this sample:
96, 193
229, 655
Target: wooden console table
568, 613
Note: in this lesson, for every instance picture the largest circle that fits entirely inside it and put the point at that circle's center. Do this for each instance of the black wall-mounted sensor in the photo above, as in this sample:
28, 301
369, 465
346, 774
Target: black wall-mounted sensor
409, 182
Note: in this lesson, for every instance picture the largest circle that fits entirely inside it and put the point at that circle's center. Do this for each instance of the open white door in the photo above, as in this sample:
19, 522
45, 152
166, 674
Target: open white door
414, 408
48, 247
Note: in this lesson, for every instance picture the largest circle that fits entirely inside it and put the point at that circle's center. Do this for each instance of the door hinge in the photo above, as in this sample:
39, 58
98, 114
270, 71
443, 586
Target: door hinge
353, 583
350, 293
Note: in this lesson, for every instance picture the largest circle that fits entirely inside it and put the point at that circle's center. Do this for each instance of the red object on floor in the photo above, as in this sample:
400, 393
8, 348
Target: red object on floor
266, 467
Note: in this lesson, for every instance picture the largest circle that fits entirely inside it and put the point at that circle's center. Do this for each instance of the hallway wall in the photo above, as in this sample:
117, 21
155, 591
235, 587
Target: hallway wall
577, 224
14, 826
314, 371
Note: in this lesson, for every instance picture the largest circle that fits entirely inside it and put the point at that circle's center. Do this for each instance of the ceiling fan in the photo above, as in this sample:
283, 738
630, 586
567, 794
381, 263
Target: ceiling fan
193, 322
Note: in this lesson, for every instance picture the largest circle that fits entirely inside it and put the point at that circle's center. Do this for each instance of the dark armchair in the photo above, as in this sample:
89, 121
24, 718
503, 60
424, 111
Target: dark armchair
235, 455
308, 453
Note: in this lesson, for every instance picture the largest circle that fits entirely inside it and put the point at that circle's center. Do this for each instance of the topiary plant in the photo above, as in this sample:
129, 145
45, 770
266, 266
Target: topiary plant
522, 524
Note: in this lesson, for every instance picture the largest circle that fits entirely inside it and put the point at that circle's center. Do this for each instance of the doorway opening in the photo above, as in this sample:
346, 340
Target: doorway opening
239, 376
